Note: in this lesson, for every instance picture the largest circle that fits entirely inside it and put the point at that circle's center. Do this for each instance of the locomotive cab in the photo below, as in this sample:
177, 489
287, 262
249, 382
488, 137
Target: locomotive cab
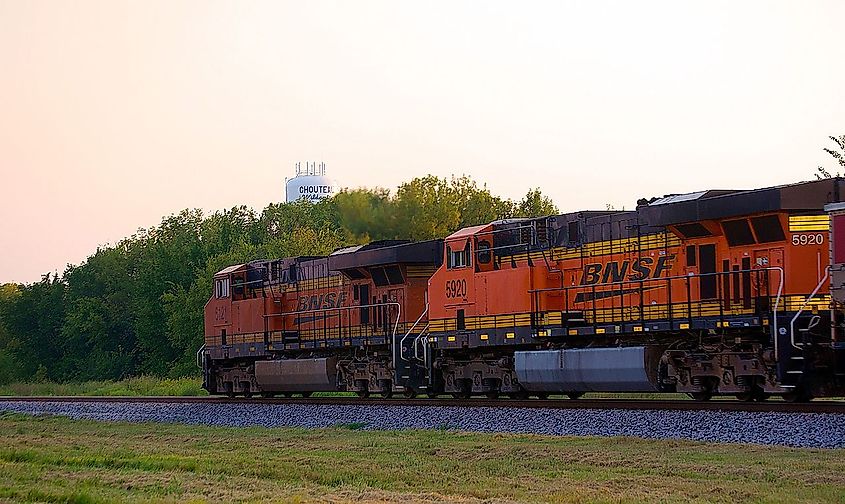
218, 309
459, 262
480, 276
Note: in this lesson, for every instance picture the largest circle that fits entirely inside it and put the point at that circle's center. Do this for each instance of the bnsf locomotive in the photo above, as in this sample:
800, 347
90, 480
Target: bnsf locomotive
709, 293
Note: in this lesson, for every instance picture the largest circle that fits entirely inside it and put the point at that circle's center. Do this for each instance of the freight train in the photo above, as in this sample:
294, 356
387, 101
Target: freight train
709, 293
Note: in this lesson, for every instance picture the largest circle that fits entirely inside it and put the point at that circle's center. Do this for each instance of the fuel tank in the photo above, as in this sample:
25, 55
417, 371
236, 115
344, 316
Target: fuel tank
622, 369
297, 375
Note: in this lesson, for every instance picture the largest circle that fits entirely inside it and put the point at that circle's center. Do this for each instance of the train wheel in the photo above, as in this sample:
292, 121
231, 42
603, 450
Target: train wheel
797, 396
574, 395
755, 391
433, 395
306, 394
522, 394
464, 389
247, 390
409, 393
491, 388
706, 387
792, 397
229, 390
363, 387
543, 396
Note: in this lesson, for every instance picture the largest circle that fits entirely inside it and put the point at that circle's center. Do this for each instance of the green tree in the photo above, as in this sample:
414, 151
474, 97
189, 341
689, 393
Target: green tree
476, 204
427, 209
837, 153
164, 258
92, 347
99, 331
432, 207
366, 214
535, 204
35, 318
9, 366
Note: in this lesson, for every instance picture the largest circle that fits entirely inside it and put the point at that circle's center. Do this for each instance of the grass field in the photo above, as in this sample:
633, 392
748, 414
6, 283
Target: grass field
141, 386
53, 459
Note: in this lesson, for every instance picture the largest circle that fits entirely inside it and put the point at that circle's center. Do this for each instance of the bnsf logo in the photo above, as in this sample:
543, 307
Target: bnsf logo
616, 271
315, 302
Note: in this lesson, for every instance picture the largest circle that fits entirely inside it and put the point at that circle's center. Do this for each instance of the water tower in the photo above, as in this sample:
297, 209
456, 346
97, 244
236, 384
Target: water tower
310, 183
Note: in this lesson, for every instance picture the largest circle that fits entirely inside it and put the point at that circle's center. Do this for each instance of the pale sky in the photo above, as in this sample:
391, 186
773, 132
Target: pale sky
114, 113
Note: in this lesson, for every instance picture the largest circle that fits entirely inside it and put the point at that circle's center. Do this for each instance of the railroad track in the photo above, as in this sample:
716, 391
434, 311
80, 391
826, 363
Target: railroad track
606, 404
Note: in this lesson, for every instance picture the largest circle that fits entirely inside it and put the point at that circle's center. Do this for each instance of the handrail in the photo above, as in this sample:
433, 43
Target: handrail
200, 355
775, 311
420, 335
425, 354
592, 288
341, 308
804, 305
402, 341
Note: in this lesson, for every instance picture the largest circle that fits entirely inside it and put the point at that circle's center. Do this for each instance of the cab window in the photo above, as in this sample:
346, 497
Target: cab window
458, 258
238, 288
484, 253
221, 288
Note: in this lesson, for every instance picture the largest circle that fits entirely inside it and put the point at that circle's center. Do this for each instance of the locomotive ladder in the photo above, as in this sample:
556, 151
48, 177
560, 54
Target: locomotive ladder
797, 364
417, 338
420, 341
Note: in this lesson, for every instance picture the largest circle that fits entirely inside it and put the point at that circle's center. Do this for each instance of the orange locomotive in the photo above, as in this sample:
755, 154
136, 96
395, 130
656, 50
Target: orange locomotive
715, 292
306, 324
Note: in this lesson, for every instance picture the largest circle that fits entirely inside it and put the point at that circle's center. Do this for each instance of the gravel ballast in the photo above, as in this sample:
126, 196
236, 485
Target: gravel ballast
816, 430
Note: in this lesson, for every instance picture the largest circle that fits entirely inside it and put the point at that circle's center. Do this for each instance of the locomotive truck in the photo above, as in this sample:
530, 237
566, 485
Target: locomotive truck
719, 292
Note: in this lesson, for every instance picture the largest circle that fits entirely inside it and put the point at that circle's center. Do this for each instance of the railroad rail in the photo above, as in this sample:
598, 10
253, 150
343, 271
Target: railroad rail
603, 404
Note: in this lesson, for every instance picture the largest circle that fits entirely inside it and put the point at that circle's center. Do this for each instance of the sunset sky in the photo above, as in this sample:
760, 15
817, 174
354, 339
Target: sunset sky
115, 113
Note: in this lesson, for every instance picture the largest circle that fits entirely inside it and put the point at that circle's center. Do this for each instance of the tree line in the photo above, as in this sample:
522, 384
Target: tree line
136, 307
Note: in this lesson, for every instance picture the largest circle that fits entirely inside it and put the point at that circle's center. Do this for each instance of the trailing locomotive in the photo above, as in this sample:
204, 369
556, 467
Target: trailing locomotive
709, 293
